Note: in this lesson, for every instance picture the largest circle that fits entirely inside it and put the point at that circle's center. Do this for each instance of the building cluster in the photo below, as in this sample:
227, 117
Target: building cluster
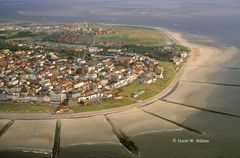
84, 28
179, 55
33, 76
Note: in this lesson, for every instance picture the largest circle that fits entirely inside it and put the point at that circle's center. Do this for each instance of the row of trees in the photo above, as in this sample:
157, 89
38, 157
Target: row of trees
157, 52
65, 52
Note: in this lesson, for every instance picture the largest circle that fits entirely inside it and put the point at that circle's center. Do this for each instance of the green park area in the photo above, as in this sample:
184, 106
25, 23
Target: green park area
24, 107
130, 35
19, 35
119, 36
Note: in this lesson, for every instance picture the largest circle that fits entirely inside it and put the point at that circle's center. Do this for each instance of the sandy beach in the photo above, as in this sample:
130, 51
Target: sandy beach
135, 122
92, 130
29, 136
3, 123
210, 76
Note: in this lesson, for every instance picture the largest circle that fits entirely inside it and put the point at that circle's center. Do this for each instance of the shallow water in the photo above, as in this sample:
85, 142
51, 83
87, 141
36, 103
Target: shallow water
222, 132
94, 151
22, 154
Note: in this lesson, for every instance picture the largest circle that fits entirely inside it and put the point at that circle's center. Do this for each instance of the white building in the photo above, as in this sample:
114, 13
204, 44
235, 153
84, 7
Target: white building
184, 54
91, 96
78, 85
57, 98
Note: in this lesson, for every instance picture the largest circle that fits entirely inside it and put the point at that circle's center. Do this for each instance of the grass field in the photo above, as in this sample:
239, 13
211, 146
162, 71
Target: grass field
19, 35
150, 91
108, 104
23, 107
131, 35
77, 38
124, 35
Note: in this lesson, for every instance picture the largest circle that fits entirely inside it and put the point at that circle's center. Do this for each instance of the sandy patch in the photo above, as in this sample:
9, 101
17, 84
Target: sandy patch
29, 135
214, 65
3, 123
170, 111
213, 75
220, 98
90, 130
192, 93
135, 122
209, 55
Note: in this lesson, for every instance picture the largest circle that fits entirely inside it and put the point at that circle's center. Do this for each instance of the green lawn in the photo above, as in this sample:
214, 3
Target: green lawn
153, 88
23, 107
80, 39
131, 35
124, 35
20, 35
108, 104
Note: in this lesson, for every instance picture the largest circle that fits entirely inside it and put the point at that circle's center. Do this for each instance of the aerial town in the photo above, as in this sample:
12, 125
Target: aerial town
47, 72
119, 78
